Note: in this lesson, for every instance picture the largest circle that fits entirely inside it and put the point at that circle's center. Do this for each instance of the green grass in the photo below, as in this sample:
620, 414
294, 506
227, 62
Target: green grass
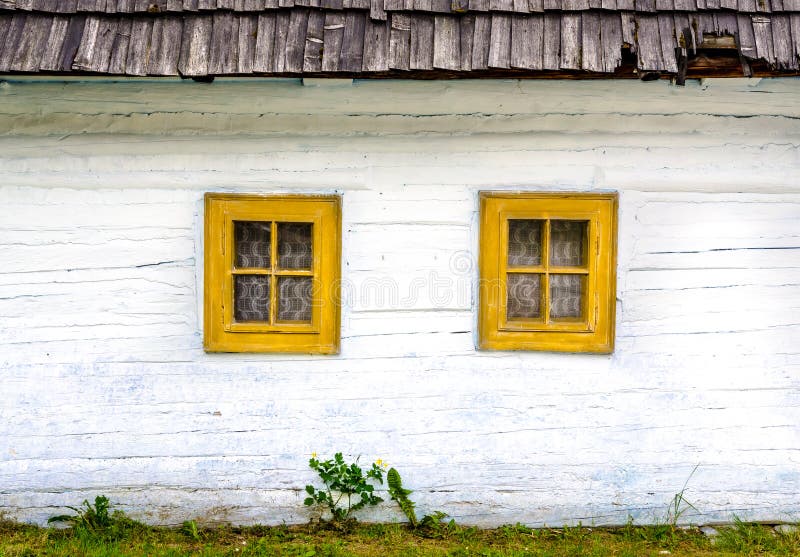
135, 539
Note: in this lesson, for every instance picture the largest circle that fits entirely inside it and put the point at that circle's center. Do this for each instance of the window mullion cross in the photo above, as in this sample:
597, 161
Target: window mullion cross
273, 266
545, 296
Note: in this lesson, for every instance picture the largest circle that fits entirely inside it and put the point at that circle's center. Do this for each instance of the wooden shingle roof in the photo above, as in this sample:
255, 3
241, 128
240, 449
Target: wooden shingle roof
413, 38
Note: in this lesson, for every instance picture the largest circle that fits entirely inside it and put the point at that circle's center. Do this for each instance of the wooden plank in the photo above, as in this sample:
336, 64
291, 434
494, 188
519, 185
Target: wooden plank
794, 22
647, 6
669, 41
501, 6
195, 45
747, 38
551, 43
264, 56
95, 50
165, 46
527, 33
296, 40
628, 21
400, 42
648, 42
188, 5
521, 6
174, 5
377, 11
666, 5
32, 43
480, 42
72, 41
86, 5
729, 4
376, 47
479, 5
331, 4
223, 49
422, 6
574, 5
608, 5
536, 6
726, 23
748, 6
281, 32
712, 5
351, 57
332, 38
226, 4
312, 57
500, 41
139, 46
762, 29
422, 28
446, 42
441, 6
248, 31
356, 5
286, 4
782, 42
611, 38
763, 6
119, 50
254, 6
685, 5
206, 5
51, 56
626, 5
552, 5
70, 6
681, 23
13, 38
591, 43
570, 41
459, 6
705, 24
467, 33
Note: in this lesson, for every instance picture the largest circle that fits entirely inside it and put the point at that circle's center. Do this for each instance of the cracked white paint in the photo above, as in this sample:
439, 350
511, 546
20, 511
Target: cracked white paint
106, 389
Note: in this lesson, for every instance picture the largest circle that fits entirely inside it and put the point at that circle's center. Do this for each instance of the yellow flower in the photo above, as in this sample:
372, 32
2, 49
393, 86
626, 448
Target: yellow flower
381, 463
313, 455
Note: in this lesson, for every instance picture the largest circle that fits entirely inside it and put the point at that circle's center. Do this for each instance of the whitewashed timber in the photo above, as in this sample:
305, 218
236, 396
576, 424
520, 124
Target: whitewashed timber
106, 388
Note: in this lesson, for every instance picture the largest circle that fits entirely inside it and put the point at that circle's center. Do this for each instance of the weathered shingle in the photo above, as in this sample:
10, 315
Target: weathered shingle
226, 37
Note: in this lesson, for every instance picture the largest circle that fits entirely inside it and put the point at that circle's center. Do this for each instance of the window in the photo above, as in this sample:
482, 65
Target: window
548, 271
272, 267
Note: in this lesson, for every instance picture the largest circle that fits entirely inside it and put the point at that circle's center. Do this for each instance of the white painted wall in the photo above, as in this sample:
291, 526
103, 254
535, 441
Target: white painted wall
106, 389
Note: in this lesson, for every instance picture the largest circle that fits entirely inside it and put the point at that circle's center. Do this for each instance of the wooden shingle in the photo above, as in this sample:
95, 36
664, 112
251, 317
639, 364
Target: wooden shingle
291, 37
195, 46
400, 42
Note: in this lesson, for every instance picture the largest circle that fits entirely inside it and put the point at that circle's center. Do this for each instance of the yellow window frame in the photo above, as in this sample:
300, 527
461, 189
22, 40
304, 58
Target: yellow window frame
221, 332
594, 331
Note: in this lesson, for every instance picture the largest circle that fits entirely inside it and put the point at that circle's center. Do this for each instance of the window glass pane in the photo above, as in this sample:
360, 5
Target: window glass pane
567, 238
524, 296
294, 245
251, 298
566, 293
252, 244
524, 243
294, 299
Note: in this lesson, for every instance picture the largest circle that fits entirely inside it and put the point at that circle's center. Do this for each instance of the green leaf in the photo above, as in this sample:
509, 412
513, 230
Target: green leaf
308, 501
310, 489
